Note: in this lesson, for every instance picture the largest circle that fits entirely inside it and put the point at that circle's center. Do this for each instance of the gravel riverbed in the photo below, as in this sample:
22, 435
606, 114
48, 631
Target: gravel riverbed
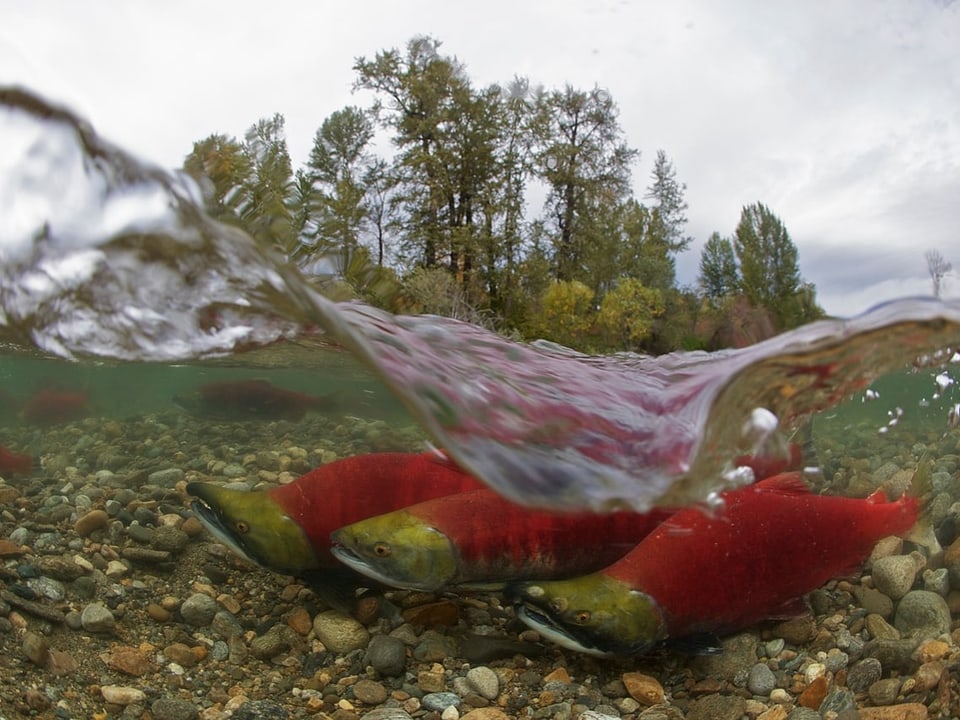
115, 603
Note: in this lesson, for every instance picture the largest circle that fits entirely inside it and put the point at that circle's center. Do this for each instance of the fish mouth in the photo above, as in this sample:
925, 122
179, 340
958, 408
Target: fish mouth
556, 632
217, 526
357, 562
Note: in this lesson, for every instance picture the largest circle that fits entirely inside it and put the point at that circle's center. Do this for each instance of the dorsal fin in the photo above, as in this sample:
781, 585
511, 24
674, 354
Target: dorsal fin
789, 483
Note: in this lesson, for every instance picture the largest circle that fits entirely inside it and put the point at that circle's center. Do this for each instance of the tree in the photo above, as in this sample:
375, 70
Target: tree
581, 155
627, 313
338, 171
669, 213
938, 267
769, 269
719, 276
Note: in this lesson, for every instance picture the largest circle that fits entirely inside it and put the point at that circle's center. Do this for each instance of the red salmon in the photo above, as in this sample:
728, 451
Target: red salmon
771, 543
13, 463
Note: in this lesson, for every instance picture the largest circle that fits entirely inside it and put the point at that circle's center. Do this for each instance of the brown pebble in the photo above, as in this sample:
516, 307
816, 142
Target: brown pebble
60, 663
430, 681
796, 631
299, 620
643, 688
367, 609
813, 694
485, 714
932, 650
192, 527
129, 660
559, 675
93, 520
369, 692
444, 613
35, 648
158, 612
180, 654
906, 711
928, 675
9, 549
777, 712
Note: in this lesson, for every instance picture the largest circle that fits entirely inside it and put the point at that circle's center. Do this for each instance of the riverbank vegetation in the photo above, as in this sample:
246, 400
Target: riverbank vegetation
511, 205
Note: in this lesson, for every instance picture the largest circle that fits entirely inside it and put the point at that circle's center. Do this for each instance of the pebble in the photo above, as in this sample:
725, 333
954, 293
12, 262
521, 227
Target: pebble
863, 674
484, 682
717, 707
97, 618
369, 692
894, 575
165, 478
340, 633
91, 521
169, 708
122, 695
439, 701
905, 711
387, 655
390, 714
644, 689
884, 692
761, 680
198, 610
922, 614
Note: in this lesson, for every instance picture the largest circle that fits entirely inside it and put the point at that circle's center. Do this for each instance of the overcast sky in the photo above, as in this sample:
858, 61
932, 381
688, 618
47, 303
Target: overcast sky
842, 117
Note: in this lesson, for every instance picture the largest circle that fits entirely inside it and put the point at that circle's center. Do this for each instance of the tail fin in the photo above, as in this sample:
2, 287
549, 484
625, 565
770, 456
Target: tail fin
921, 488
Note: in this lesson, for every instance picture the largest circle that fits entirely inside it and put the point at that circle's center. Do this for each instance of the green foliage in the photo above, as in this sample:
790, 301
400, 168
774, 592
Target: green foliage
594, 268
719, 274
627, 314
566, 313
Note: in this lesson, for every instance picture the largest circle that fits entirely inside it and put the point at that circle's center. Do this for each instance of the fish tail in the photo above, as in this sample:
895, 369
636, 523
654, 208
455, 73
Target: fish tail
920, 493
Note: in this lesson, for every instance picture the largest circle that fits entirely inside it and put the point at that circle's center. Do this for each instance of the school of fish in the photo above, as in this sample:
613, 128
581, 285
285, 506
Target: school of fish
617, 584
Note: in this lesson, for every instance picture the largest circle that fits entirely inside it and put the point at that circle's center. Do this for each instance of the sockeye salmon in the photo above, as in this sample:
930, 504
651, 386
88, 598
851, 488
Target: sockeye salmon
14, 463
50, 406
479, 539
246, 399
698, 573
287, 528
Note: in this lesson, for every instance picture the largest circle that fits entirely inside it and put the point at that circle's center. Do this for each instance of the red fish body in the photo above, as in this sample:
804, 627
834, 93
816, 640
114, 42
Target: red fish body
50, 406
239, 399
736, 559
770, 544
480, 538
13, 463
288, 528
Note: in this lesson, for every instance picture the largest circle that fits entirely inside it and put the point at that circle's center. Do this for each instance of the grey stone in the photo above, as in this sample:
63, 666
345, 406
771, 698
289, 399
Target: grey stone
761, 680
884, 692
260, 710
169, 708
97, 618
863, 674
923, 614
198, 610
386, 655
439, 701
484, 681
718, 707
165, 478
894, 575
837, 701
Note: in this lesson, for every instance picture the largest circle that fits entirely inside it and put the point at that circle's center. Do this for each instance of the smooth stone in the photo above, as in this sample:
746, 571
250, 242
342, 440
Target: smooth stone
370, 692
922, 614
91, 521
165, 478
198, 610
170, 708
97, 618
761, 680
905, 711
863, 674
340, 633
894, 575
386, 655
122, 695
387, 714
717, 707
439, 701
884, 692
484, 681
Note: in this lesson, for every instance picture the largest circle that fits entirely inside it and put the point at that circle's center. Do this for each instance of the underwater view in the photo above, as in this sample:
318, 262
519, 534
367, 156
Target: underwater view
224, 494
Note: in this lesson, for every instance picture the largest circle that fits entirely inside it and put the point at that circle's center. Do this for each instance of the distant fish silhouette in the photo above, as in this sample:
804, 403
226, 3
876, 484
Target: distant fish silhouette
14, 463
251, 399
49, 406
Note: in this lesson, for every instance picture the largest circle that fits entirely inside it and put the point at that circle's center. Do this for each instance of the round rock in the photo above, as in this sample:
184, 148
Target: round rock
97, 618
198, 610
340, 633
484, 682
922, 613
169, 708
894, 575
386, 655
761, 680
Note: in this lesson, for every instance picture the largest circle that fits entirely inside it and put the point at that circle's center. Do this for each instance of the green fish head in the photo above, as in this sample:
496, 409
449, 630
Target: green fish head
254, 526
397, 549
594, 614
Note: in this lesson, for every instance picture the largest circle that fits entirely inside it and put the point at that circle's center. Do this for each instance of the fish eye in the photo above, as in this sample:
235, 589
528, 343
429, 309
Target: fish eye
582, 617
242, 527
381, 549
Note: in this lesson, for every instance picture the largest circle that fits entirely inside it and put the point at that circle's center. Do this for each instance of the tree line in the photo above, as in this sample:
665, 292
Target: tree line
446, 224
